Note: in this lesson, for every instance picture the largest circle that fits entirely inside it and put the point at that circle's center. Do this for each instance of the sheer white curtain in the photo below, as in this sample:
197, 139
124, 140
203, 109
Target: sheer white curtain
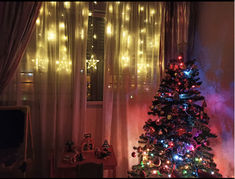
134, 43
56, 60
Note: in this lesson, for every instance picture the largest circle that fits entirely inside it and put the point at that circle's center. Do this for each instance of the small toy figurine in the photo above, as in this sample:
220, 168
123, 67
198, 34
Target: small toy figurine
97, 152
105, 145
79, 157
87, 143
69, 146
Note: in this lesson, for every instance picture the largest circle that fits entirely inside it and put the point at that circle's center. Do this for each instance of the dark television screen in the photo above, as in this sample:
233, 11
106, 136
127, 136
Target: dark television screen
12, 124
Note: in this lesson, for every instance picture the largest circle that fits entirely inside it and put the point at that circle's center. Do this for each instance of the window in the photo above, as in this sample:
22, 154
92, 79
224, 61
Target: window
95, 45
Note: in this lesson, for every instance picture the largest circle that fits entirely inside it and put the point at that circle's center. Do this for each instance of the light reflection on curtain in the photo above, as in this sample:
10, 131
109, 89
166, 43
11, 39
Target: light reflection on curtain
134, 41
56, 56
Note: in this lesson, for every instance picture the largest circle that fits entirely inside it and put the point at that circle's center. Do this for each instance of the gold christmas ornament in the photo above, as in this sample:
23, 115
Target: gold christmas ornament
169, 117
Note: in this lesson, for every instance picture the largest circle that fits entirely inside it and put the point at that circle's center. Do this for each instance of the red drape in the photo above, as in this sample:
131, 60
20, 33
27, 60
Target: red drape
17, 20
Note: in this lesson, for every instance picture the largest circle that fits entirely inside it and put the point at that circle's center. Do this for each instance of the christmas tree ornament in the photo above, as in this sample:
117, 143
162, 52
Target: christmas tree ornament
139, 149
169, 117
181, 131
133, 154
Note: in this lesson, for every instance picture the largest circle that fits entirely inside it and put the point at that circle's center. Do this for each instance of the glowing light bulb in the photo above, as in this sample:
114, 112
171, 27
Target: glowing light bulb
176, 157
65, 37
154, 171
109, 29
187, 72
51, 36
90, 14
110, 9
82, 34
67, 4
94, 36
180, 57
142, 8
38, 21
142, 30
61, 25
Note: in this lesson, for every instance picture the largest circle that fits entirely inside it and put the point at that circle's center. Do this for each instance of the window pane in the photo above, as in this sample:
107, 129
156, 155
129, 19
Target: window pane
95, 45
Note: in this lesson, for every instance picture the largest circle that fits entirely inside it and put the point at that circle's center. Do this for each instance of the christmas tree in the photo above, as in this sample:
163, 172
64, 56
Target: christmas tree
176, 138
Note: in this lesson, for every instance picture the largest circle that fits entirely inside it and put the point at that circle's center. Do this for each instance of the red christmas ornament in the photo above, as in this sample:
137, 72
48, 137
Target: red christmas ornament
133, 154
158, 122
139, 149
157, 162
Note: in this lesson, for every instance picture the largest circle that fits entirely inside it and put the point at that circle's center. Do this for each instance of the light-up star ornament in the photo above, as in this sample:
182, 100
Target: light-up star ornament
92, 62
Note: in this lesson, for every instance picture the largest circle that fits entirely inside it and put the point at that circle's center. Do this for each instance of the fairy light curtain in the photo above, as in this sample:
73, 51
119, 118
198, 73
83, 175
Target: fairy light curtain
134, 53
55, 63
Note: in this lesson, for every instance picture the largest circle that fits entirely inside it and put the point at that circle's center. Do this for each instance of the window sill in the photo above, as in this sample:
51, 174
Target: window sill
94, 104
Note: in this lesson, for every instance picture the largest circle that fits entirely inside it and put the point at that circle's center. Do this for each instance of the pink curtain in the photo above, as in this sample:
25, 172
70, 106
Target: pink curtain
17, 20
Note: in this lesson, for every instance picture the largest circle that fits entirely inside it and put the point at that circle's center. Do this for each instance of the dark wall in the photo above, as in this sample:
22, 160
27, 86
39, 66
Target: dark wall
214, 50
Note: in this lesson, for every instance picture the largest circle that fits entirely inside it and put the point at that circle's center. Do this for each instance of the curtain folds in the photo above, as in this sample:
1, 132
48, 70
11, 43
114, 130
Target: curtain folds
60, 77
17, 20
134, 63
177, 21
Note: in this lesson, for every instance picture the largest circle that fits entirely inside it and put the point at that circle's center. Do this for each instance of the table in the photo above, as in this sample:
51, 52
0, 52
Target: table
109, 163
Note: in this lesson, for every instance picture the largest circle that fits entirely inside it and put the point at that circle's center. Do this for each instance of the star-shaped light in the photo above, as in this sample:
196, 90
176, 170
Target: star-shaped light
92, 62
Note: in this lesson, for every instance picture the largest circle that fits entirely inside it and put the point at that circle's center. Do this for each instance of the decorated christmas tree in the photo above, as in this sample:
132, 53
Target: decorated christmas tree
175, 142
